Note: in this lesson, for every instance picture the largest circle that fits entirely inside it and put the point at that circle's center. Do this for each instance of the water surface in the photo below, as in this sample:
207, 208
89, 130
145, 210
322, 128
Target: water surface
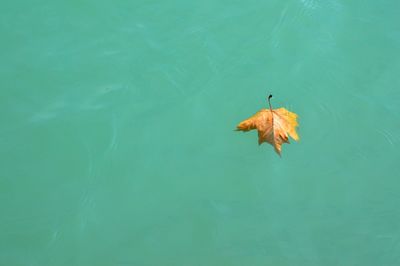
117, 141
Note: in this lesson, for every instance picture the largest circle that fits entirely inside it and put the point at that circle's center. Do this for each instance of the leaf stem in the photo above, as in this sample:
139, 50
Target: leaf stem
269, 102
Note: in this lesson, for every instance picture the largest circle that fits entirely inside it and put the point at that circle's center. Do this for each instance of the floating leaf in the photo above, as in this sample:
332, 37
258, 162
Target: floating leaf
273, 126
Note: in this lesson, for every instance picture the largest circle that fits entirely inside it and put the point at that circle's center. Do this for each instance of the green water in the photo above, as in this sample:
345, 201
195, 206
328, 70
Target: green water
117, 141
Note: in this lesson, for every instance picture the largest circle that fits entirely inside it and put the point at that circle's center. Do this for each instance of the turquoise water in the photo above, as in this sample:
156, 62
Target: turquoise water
117, 141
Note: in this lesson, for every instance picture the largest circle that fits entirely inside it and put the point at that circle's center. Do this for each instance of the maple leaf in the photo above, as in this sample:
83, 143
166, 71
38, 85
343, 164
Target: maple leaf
273, 126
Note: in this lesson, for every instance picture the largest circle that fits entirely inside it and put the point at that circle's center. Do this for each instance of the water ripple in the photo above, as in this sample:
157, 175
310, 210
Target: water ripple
388, 136
114, 135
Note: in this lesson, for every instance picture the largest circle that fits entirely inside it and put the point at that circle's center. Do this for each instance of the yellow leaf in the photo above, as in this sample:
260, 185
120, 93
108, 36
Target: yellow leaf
273, 126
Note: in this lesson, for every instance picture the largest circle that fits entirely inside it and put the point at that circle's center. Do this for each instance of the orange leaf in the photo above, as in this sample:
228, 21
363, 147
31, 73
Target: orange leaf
273, 126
